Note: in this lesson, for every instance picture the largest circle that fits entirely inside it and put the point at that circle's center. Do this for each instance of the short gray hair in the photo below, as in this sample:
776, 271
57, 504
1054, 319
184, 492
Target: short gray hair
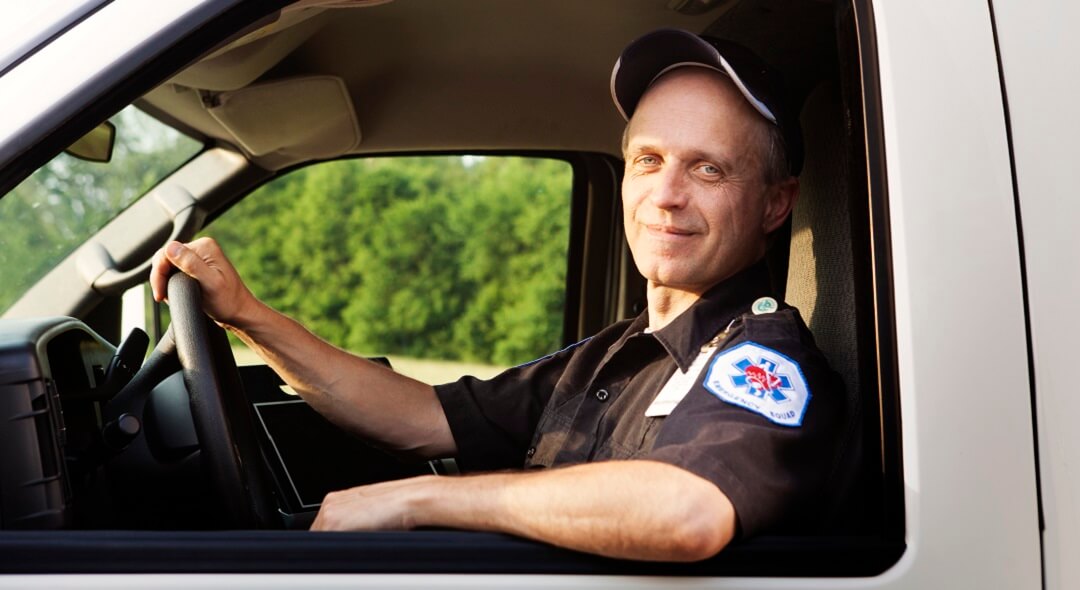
774, 164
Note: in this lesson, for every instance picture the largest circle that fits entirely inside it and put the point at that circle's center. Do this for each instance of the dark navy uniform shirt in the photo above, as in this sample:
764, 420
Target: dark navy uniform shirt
760, 418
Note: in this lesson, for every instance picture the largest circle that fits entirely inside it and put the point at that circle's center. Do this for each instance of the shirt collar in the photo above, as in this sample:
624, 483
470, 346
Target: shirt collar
711, 313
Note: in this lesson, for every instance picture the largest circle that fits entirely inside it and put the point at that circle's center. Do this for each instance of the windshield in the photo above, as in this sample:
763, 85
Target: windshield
68, 200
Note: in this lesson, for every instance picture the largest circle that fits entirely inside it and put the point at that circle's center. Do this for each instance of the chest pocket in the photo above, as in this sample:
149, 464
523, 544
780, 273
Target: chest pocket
636, 441
633, 437
552, 432
580, 429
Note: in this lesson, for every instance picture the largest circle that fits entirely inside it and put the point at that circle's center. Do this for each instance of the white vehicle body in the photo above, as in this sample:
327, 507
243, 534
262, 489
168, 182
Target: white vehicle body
978, 129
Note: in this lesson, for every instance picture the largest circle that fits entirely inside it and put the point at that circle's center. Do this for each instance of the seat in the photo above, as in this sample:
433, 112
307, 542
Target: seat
822, 278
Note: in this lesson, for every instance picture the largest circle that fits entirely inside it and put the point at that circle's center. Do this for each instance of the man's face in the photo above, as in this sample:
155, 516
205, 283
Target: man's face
695, 202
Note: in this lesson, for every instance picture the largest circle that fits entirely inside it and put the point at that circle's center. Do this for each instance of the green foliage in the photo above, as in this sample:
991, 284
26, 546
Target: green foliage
430, 257
67, 200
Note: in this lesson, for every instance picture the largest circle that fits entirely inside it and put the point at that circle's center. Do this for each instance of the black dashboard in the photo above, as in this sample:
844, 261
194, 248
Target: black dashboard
93, 437
41, 361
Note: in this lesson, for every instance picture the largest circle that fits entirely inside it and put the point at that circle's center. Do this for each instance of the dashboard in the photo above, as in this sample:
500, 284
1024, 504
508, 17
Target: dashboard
47, 366
96, 436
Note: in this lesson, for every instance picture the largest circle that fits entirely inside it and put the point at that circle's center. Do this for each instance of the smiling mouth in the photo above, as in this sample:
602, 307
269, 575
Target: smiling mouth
668, 230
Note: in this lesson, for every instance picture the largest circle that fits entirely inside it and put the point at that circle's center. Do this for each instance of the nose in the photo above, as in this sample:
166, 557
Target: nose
669, 189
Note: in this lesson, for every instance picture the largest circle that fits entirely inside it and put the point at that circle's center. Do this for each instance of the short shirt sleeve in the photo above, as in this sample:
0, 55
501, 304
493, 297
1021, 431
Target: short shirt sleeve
745, 425
492, 421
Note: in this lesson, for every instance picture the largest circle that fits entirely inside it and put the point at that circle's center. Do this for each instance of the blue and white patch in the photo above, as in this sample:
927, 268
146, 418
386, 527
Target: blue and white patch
761, 380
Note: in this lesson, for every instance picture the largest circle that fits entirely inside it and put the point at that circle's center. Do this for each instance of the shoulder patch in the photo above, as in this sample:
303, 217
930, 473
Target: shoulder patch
761, 380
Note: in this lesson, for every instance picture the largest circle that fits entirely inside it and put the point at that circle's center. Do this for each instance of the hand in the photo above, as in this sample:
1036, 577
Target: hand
593, 507
377, 507
225, 297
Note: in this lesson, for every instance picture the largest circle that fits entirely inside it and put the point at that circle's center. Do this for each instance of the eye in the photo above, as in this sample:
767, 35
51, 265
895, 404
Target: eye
710, 171
647, 161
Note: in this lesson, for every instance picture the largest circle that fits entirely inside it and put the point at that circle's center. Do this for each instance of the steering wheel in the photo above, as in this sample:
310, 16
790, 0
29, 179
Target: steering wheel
222, 415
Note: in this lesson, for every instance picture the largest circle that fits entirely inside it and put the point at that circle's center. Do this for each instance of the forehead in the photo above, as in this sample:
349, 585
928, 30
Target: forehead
694, 108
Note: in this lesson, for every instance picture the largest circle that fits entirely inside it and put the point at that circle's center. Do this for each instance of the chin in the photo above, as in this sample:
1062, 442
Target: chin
679, 281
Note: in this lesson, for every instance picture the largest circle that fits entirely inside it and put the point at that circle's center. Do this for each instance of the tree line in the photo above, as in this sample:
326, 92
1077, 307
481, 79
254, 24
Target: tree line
457, 258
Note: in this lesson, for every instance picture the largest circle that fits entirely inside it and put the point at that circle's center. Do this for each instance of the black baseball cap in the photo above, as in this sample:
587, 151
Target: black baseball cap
648, 57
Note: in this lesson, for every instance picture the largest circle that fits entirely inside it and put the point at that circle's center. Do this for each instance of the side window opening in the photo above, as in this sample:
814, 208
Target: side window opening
842, 284
830, 275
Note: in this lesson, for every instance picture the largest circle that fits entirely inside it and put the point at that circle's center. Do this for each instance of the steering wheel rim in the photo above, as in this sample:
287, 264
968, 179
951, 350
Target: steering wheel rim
223, 423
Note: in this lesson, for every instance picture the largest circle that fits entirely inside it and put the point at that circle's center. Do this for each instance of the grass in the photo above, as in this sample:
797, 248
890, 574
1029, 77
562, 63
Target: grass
429, 371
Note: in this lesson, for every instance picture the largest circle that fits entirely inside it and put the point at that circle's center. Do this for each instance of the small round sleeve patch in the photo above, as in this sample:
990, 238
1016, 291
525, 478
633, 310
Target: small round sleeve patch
761, 380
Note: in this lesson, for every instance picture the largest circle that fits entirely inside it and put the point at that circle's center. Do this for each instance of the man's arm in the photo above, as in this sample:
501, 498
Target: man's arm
400, 413
625, 509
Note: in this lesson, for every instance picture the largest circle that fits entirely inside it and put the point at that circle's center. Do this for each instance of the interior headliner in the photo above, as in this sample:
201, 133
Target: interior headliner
467, 75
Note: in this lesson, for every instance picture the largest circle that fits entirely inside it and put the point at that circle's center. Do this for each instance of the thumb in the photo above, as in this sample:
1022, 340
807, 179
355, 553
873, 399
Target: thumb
186, 260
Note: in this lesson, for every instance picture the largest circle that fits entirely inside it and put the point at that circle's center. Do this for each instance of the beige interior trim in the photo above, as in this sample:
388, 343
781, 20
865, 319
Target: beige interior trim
303, 118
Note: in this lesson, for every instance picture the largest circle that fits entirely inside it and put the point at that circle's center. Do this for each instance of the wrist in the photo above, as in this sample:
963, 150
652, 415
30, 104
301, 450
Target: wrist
249, 315
425, 501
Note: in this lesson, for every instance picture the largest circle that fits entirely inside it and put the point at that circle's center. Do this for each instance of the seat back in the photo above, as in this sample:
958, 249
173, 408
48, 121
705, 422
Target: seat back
821, 277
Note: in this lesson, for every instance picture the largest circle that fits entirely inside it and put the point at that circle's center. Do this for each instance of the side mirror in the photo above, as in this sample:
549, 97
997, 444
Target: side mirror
96, 146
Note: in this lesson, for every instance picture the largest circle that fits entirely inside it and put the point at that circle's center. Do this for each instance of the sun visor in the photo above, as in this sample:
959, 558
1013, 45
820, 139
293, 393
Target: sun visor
299, 118
241, 62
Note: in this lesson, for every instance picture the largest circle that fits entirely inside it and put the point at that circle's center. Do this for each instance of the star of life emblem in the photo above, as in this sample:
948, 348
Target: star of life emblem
761, 380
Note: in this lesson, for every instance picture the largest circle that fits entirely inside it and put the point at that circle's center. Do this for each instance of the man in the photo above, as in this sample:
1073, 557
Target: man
660, 438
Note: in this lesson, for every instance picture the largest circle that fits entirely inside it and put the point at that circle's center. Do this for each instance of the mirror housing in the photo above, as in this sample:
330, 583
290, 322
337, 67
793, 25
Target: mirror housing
96, 146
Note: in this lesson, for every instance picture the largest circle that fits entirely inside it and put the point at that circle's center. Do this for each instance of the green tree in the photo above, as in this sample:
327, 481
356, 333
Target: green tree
432, 257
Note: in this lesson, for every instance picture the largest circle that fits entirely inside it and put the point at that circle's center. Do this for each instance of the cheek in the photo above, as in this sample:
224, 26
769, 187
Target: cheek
743, 208
732, 223
631, 200
627, 209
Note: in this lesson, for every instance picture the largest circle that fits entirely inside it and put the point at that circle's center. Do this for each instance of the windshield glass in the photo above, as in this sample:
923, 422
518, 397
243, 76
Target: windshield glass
68, 200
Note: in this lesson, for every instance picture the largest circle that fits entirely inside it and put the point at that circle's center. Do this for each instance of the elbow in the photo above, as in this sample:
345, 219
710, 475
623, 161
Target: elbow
698, 542
706, 528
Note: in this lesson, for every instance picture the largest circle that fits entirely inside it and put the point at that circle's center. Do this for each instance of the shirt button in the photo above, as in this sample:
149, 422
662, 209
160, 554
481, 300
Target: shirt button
529, 453
602, 395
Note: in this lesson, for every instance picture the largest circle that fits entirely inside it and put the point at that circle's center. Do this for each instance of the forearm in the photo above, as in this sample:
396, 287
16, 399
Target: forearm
625, 509
397, 412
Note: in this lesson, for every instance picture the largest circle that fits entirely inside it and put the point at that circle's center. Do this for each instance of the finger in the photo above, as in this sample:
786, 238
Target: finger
204, 245
320, 522
159, 275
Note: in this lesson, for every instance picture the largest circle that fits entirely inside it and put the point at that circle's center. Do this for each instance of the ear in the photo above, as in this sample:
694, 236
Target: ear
779, 201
